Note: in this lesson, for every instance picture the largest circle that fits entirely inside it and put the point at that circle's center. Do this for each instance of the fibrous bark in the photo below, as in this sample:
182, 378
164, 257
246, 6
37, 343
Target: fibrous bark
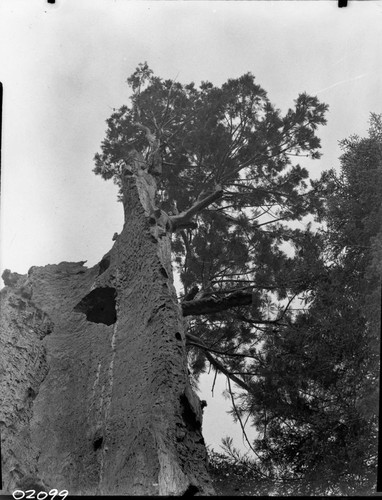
103, 404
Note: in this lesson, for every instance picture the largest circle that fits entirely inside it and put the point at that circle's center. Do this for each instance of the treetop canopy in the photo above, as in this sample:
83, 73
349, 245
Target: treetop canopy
210, 135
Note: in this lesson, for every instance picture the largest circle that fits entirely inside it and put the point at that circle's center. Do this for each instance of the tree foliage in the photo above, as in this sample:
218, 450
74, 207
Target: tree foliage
294, 330
315, 400
233, 142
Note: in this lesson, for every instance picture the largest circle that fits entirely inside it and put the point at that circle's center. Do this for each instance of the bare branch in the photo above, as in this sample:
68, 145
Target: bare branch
149, 135
211, 305
184, 218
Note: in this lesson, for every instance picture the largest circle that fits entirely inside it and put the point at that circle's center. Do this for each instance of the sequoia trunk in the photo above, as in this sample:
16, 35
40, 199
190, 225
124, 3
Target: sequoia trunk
102, 404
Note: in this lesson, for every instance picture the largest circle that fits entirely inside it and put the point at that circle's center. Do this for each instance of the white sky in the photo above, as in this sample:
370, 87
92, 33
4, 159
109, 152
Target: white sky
64, 68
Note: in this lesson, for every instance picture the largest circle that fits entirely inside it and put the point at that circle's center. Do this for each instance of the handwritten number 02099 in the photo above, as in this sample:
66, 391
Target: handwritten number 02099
41, 495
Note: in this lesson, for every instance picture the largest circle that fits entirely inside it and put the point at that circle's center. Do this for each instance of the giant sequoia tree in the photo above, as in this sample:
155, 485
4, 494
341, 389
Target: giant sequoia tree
217, 172
97, 387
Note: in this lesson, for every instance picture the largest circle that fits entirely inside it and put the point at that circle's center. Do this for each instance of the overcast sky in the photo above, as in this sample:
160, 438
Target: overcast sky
64, 68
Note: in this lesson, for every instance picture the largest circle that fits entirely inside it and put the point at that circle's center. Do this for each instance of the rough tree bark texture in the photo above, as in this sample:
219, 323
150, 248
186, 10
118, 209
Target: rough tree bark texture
95, 391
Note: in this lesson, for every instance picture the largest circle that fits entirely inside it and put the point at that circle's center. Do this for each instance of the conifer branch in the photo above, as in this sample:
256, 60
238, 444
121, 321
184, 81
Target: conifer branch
217, 364
192, 340
237, 413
